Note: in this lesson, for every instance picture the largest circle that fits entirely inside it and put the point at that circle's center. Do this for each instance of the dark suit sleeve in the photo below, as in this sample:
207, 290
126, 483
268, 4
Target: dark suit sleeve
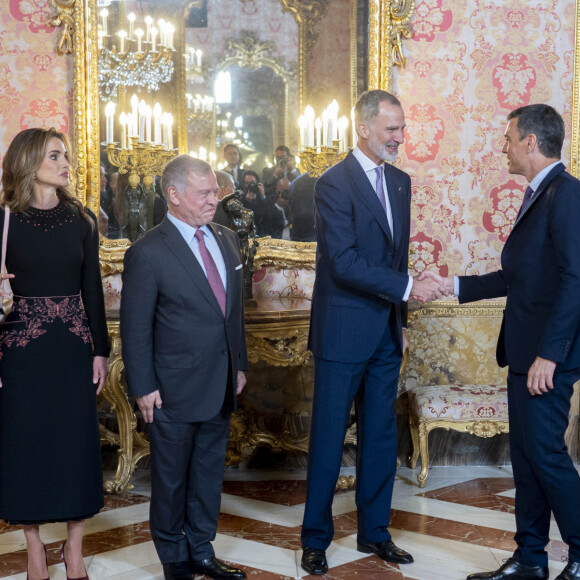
472, 288
563, 322
338, 241
138, 305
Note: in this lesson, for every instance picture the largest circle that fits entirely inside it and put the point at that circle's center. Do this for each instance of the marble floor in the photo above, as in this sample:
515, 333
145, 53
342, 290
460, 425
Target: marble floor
461, 522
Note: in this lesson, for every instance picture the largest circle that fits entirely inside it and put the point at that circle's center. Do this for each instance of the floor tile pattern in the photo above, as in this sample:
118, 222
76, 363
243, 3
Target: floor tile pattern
460, 523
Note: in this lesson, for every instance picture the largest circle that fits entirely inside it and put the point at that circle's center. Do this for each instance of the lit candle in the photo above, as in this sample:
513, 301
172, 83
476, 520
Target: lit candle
129, 121
354, 135
110, 115
122, 34
157, 123
302, 125
330, 131
135, 115
148, 115
342, 125
148, 23
104, 14
198, 54
203, 153
334, 113
318, 125
139, 34
153, 37
192, 56
325, 127
131, 18
142, 116
162, 32
309, 116
170, 32
123, 123
170, 131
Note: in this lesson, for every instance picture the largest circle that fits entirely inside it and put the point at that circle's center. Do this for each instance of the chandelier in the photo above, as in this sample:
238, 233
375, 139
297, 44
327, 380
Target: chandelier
133, 56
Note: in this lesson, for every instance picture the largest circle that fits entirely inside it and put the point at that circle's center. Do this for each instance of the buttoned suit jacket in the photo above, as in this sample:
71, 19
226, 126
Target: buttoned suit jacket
540, 275
174, 335
361, 269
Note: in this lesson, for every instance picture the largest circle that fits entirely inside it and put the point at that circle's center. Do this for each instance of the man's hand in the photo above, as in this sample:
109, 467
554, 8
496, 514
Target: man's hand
100, 371
147, 403
540, 376
241, 382
427, 287
446, 285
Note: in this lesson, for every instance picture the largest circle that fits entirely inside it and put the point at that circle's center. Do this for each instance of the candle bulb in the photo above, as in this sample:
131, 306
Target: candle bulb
170, 131
342, 125
162, 32
171, 32
131, 18
148, 23
302, 125
198, 54
354, 135
123, 123
148, 115
318, 125
157, 123
122, 34
309, 116
139, 34
104, 15
110, 116
153, 37
135, 115
142, 113
325, 127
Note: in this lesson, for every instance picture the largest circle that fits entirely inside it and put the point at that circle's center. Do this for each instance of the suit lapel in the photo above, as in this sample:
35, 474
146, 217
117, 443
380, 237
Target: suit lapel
361, 185
540, 191
179, 248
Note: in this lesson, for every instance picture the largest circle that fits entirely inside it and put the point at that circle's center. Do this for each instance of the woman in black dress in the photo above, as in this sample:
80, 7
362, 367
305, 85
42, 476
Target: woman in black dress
53, 352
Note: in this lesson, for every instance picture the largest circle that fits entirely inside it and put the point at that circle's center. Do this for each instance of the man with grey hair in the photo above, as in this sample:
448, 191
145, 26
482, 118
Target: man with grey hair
226, 187
359, 311
184, 349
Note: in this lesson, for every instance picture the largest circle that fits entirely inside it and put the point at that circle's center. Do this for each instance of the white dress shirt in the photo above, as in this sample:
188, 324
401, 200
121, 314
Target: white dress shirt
188, 233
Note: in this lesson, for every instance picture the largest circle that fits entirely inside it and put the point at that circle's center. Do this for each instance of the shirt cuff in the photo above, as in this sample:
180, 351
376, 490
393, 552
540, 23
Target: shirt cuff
456, 285
408, 290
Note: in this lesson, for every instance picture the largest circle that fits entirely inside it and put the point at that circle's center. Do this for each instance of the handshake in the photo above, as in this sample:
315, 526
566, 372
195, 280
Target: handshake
429, 286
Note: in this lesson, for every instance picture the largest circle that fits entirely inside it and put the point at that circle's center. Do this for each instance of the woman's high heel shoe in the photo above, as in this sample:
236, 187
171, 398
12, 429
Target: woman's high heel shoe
46, 558
85, 577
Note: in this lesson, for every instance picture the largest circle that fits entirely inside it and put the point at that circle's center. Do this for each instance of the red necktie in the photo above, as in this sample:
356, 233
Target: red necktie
213, 276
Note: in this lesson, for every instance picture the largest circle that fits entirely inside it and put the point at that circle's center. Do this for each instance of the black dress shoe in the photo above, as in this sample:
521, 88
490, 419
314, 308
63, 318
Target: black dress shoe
513, 570
214, 568
570, 572
314, 561
387, 551
177, 571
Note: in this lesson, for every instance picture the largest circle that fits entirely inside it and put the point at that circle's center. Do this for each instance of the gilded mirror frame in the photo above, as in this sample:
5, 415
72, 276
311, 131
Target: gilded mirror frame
389, 23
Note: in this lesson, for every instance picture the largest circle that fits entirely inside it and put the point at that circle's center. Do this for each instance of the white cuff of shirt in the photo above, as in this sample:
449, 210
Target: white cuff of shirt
456, 285
408, 290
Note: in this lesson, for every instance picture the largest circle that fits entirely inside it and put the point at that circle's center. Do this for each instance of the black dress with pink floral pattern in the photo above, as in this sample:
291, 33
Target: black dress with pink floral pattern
50, 459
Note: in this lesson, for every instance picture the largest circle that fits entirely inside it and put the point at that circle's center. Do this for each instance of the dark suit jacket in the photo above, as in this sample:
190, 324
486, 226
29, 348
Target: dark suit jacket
174, 335
301, 209
540, 276
361, 271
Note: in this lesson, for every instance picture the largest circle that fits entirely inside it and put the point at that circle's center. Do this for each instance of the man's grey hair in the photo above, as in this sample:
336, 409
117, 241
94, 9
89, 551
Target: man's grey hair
367, 106
177, 172
224, 179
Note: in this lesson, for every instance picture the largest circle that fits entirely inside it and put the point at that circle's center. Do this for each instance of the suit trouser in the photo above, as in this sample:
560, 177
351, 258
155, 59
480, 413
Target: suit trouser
545, 477
373, 386
187, 464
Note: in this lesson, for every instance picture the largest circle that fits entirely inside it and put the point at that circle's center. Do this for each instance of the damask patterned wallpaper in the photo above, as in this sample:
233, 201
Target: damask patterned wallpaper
35, 83
469, 63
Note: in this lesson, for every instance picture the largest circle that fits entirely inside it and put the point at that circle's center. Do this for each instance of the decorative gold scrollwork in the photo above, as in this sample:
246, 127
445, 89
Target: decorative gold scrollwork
487, 428
389, 23
65, 17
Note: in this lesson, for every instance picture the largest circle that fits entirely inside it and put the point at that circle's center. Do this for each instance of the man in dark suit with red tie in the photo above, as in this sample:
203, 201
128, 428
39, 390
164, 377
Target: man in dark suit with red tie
539, 341
184, 349
356, 329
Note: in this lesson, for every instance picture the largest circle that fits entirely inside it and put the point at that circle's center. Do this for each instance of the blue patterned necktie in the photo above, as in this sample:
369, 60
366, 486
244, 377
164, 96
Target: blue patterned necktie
380, 189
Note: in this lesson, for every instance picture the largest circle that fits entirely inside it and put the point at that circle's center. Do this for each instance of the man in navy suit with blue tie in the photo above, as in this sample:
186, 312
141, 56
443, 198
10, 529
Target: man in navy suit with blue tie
356, 328
539, 341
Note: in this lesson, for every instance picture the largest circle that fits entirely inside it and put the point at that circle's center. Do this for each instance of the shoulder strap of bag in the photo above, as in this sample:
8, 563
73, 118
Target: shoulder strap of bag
5, 237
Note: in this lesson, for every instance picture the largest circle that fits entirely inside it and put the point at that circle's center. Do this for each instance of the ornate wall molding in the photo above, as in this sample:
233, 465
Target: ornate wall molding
389, 23
575, 143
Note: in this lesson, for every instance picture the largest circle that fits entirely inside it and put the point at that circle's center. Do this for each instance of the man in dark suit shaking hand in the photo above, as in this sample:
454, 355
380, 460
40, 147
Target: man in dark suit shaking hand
356, 328
539, 340
184, 349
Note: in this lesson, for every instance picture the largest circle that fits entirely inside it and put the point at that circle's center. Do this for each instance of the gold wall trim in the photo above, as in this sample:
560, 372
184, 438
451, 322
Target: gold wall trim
575, 143
389, 23
449, 308
282, 254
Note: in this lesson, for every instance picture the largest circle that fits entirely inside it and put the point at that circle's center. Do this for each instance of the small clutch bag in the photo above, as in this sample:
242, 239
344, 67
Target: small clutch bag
5, 288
